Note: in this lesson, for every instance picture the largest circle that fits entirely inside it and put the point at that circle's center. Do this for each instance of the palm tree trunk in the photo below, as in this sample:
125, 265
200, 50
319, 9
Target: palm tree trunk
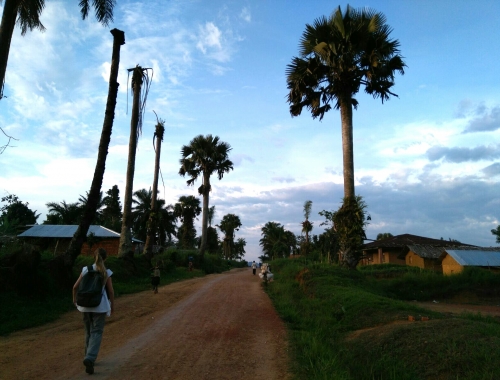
6, 30
204, 219
148, 247
347, 148
126, 235
69, 257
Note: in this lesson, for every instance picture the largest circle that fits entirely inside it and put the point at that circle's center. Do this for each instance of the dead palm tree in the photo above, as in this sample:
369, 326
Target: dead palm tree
148, 247
95, 194
139, 77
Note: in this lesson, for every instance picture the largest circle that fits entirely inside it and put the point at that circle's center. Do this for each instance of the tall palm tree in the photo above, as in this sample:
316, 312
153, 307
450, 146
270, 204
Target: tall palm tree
27, 14
94, 194
338, 54
139, 77
204, 156
187, 209
228, 225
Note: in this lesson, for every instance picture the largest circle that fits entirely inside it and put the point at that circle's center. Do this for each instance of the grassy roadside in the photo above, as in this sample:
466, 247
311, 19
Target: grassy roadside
46, 302
354, 324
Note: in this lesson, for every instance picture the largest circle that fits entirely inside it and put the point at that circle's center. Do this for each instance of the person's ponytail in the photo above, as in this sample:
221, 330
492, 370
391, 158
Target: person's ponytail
100, 255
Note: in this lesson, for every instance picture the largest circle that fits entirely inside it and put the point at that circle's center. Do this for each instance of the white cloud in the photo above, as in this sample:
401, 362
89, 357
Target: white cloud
246, 15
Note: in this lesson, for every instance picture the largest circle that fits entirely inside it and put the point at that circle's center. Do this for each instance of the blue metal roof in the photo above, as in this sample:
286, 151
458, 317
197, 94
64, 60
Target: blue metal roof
67, 231
477, 257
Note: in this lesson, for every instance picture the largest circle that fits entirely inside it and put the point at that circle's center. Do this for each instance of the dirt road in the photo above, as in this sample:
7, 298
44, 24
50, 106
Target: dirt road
217, 327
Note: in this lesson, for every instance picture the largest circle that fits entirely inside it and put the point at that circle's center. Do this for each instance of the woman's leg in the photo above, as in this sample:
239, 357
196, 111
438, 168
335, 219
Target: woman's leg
96, 323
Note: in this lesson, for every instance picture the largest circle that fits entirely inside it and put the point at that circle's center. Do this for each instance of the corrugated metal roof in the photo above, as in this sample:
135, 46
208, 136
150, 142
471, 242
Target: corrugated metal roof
475, 257
67, 231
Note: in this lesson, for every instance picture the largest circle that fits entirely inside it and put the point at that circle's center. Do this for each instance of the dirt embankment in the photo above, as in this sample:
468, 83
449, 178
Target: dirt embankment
216, 327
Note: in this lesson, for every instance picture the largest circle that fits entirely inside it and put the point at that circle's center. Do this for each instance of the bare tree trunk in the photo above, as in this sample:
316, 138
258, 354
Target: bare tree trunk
80, 236
6, 30
347, 148
204, 218
148, 247
126, 235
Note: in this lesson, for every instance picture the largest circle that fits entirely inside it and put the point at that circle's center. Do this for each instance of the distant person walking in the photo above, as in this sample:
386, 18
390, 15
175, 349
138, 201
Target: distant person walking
95, 317
254, 267
155, 278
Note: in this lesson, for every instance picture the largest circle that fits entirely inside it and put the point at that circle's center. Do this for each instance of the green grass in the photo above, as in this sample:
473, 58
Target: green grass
354, 324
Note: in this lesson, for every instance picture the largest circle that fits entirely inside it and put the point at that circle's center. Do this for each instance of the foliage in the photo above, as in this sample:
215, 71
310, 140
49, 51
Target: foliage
384, 235
349, 222
112, 209
496, 232
186, 210
276, 242
343, 325
63, 213
228, 224
15, 214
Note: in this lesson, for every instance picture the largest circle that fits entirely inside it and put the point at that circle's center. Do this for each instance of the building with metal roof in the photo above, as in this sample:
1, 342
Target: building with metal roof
454, 260
57, 238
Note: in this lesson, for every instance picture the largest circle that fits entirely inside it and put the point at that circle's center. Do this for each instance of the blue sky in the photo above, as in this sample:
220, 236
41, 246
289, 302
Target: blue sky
427, 163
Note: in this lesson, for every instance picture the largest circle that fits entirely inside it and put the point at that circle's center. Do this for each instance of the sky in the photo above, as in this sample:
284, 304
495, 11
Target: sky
426, 162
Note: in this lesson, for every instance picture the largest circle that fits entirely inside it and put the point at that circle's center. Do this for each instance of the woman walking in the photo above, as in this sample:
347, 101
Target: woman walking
95, 317
155, 278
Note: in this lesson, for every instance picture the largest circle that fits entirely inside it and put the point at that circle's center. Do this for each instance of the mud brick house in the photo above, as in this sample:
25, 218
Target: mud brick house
409, 250
56, 238
454, 260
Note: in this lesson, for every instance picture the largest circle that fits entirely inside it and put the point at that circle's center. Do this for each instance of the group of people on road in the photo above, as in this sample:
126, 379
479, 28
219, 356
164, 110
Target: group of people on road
265, 271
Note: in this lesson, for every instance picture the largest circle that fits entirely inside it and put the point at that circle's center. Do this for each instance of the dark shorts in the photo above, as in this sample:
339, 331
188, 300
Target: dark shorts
155, 280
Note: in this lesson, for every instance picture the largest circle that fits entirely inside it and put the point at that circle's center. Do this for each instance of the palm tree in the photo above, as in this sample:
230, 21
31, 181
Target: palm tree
94, 194
276, 242
204, 156
141, 209
112, 211
187, 209
228, 225
27, 14
139, 76
148, 247
337, 55
307, 226
64, 213
164, 226
83, 200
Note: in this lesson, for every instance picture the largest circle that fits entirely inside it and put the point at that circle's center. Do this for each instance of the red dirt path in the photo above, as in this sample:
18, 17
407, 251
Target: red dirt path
216, 327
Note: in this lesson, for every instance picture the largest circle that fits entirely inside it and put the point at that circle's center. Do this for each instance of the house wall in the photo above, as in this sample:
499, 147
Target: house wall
380, 257
450, 266
414, 260
392, 258
59, 246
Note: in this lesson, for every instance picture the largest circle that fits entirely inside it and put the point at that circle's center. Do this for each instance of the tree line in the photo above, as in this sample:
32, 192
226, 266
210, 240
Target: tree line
174, 222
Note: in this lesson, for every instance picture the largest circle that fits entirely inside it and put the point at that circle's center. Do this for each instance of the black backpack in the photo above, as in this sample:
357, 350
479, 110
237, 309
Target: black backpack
90, 289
